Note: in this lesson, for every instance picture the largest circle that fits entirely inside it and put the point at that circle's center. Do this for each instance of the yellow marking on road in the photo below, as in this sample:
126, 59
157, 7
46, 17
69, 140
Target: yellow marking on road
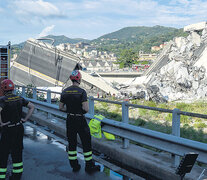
37, 74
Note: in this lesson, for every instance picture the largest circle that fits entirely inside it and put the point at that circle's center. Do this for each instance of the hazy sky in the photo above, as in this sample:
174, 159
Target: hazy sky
89, 19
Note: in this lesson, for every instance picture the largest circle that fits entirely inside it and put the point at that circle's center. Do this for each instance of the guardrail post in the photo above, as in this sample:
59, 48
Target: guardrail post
125, 119
49, 101
176, 132
34, 91
15, 91
91, 105
23, 91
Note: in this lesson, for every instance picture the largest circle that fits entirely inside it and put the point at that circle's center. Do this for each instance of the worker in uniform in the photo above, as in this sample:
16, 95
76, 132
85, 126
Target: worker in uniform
11, 120
74, 101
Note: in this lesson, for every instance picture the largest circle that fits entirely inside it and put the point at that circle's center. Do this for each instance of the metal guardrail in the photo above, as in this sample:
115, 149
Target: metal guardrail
171, 143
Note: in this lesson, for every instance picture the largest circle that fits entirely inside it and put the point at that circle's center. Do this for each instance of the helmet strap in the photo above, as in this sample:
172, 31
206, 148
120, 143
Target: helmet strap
76, 81
7, 92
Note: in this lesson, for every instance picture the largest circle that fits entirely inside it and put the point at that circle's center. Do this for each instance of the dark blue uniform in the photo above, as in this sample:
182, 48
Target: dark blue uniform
73, 97
12, 134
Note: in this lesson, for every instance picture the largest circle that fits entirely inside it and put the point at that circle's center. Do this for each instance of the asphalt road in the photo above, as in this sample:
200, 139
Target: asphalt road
46, 159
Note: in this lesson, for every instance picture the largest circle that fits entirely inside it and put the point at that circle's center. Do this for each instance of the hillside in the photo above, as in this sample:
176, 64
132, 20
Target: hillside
63, 39
137, 38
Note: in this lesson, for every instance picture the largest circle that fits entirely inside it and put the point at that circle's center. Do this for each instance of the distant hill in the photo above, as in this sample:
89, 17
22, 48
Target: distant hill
132, 33
58, 40
20, 45
137, 38
16, 48
63, 39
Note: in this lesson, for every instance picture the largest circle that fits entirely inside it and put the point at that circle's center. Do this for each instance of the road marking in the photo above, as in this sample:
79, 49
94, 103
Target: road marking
37, 74
20, 83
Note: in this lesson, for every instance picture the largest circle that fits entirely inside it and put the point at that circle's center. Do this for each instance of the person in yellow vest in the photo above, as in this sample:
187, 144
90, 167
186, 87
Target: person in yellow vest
75, 99
95, 128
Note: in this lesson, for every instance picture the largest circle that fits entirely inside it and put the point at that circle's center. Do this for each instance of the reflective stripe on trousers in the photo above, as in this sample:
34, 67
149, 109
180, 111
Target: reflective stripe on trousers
87, 156
72, 155
17, 167
3, 173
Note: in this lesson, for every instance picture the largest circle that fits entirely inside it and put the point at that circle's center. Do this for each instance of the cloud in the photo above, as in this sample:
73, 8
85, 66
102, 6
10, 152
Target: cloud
38, 8
134, 9
183, 2
92, 18
46, 31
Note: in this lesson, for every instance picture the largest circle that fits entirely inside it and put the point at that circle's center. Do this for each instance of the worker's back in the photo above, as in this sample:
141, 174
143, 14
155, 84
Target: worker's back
12, 107
73, 97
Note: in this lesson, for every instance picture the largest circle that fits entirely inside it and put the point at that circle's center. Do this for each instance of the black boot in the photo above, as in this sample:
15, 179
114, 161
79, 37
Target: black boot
76, 167
91, 167
15, 177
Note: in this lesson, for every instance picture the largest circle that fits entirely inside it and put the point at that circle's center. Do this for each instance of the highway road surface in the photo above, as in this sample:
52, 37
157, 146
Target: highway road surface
46, 159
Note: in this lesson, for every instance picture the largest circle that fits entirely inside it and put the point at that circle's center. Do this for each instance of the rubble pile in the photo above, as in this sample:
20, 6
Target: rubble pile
184, 76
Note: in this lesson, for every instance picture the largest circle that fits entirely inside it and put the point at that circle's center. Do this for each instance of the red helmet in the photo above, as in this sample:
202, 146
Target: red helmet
75, 75
7, 85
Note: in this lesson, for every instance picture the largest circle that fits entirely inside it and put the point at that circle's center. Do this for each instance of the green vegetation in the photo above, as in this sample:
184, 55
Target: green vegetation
127, 58
137, 38
129, 40
134, 39
191, 127
63, 39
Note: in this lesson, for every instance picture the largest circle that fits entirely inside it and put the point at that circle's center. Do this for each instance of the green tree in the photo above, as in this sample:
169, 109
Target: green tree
127, 58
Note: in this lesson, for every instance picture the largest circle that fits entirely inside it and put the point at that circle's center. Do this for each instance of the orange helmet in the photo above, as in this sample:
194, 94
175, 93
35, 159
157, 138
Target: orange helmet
7, 85
75, 76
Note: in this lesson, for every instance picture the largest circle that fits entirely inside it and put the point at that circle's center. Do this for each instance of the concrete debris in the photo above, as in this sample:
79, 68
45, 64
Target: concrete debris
195, 27
155, 95
140, 95
183, 75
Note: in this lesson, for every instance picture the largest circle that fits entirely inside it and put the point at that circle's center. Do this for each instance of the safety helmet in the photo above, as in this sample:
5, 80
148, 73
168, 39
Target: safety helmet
7, 85
75, 76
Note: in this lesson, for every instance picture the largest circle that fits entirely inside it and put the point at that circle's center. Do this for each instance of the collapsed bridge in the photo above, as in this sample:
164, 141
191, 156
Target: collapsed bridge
43, 65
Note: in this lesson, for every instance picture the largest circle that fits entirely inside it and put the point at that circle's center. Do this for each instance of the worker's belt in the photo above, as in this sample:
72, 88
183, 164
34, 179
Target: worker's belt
15, 124
71, 114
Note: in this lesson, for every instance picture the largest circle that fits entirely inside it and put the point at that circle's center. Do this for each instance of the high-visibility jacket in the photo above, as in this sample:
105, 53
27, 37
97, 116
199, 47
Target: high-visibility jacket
95, 128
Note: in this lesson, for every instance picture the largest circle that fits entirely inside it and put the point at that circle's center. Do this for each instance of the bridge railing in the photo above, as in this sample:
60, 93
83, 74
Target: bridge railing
171, 143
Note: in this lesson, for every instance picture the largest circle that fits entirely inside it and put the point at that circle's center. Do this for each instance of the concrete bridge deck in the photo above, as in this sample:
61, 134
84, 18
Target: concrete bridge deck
43, 65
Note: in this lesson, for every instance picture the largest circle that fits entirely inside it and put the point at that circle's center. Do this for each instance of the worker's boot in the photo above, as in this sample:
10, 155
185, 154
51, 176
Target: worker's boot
76, 168
15, 177
91, 167
75, 165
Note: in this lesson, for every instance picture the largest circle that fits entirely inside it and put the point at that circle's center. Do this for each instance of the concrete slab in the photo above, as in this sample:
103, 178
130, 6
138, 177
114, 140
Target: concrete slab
195, 27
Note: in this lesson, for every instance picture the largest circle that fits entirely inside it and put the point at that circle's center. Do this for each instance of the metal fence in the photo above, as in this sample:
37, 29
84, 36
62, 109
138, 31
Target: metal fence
171, 143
